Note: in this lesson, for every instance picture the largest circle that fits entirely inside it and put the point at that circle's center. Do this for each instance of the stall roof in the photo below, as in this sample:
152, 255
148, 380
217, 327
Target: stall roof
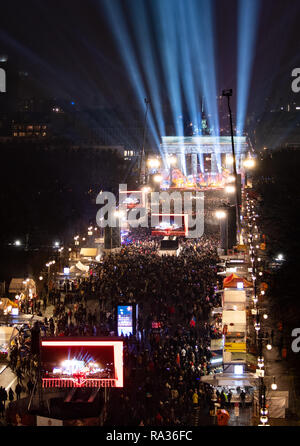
230, 379
234, 296
16, 285
88, 252
233, 317
6, 334
233, 280
82, 267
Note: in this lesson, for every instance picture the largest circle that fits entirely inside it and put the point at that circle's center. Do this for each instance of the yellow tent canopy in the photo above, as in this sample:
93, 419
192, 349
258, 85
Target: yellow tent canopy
5, 302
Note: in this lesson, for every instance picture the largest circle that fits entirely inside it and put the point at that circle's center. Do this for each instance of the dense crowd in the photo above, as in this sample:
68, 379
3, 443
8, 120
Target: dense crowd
163, 365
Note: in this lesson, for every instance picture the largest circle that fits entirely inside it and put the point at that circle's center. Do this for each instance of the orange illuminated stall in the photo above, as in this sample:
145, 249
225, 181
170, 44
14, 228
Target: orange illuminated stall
234, 281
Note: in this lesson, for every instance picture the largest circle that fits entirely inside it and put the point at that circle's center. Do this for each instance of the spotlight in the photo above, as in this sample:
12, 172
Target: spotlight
249, 163
230, 179
157, 178
153, 163
220, 215
172, 160
230, 189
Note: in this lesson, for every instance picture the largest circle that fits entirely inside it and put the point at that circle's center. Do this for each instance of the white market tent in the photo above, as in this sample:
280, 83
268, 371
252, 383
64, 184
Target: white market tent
6, 333
234, 296
16, 286
88, 252
230, 379
79, 268
234, 317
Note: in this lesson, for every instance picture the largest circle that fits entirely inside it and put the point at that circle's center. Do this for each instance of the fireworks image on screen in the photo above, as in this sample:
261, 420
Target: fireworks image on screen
82, 365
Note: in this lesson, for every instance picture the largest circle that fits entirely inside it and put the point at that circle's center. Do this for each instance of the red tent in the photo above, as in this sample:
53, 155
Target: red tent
232, 281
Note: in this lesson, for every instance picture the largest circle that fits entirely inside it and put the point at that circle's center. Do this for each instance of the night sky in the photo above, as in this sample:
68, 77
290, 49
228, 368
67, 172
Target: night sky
70, 50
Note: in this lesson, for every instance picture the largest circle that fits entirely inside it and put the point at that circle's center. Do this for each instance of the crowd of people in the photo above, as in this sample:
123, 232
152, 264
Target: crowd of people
164, 363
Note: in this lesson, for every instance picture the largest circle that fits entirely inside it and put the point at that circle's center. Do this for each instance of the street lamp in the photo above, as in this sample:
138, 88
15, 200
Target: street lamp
157, 178
228, 93
249, 163
231, 179
274, 385
119, 214
230, 189
153, 163
260, 362
220, 215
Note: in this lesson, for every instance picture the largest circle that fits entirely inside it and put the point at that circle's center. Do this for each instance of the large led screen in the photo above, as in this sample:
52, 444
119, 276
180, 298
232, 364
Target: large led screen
125, 320
82, 363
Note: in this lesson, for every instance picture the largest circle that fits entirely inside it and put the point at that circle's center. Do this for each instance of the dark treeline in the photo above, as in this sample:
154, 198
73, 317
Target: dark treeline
277, 177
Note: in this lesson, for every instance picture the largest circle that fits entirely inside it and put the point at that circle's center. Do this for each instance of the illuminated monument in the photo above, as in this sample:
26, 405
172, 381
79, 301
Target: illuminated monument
204, 160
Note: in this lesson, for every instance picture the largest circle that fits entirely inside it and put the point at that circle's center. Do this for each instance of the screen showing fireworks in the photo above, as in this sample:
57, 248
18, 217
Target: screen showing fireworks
88, 362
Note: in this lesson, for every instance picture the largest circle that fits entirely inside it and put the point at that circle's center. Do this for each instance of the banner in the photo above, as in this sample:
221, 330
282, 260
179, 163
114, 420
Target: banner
235, 346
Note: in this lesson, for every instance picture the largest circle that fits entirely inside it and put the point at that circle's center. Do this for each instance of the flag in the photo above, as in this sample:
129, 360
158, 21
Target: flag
193, 322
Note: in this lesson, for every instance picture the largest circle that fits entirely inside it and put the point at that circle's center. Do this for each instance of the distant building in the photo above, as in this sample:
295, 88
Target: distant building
204, 154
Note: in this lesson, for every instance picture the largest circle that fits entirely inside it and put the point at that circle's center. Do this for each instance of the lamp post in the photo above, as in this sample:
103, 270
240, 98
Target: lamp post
222, 216
228, 94
49, 264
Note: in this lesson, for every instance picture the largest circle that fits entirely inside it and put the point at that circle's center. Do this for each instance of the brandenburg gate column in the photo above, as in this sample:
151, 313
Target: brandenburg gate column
214, 164
194, 164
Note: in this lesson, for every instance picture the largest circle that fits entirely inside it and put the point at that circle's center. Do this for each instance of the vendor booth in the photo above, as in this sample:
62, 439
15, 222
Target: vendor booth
89, 253
6, 336
234, 299
234, 320
7, 306
277, 401
233, 382
235, 281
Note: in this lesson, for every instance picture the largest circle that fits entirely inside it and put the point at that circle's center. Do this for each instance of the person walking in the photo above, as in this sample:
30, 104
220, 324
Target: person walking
1, 408
18, 390
4, 396
195, 398
30, 386
229, 396
11, 395
243, 398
